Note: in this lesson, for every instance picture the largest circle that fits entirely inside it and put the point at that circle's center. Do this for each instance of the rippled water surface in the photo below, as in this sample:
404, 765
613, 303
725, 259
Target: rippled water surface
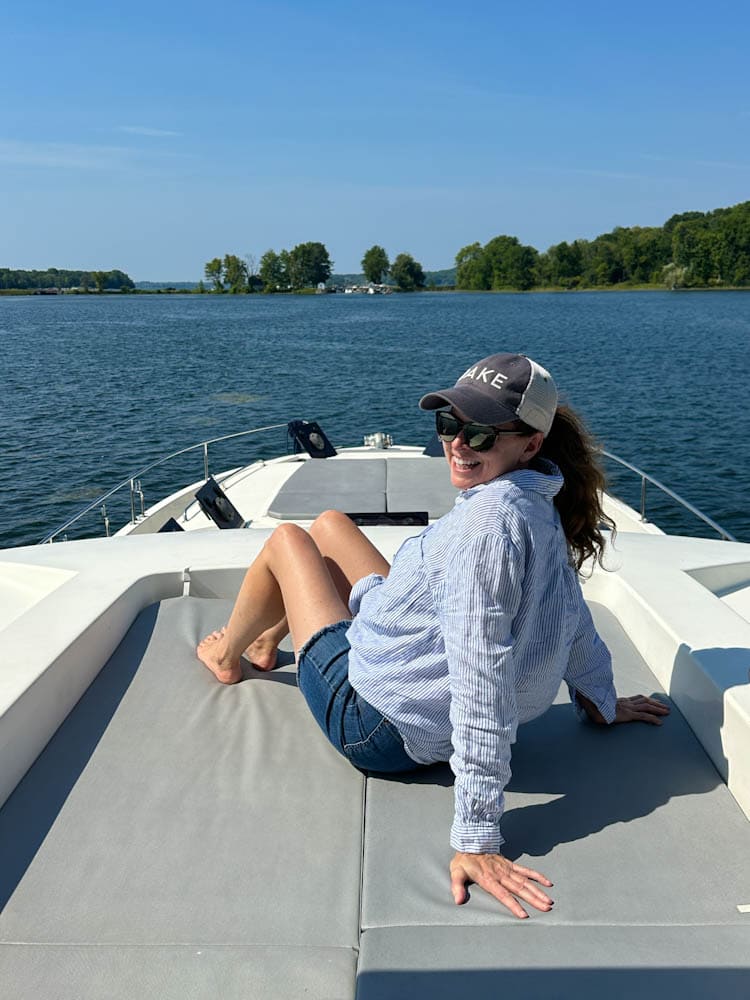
96, 388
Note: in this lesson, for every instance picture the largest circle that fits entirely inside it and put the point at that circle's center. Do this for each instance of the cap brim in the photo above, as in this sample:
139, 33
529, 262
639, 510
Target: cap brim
474, 405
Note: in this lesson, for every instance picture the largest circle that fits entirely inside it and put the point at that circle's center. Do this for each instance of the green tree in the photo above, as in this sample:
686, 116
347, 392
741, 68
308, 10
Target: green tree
604, 260
213, 272
673, 276
375, 264
741, 273
254, 283
235, 273
272, 272
308, 264
473, 271
118, 279
407, 273
511, 264
563, 265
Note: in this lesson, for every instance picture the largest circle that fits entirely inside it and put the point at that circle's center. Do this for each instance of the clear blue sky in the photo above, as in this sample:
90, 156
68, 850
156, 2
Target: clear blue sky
153, 136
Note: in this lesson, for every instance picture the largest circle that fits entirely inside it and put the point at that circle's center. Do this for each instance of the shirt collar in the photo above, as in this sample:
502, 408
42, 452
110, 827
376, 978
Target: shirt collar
544, 478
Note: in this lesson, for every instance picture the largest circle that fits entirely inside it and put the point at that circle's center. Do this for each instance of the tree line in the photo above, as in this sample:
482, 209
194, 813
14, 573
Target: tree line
86, 281
304, 266
691, 250
406, 273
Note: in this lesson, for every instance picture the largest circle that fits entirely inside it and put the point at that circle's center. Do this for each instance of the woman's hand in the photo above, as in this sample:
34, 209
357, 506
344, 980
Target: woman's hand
640, 708
501, 878
637, 708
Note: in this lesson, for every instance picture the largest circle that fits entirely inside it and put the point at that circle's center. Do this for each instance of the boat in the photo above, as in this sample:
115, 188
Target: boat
371, 288
163, 835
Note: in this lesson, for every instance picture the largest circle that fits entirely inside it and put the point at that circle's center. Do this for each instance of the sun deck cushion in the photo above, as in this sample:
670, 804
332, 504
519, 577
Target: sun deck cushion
419, 484
180, 839
169, 809
632, 824
534, 962
332, 484
175, 972
367, 487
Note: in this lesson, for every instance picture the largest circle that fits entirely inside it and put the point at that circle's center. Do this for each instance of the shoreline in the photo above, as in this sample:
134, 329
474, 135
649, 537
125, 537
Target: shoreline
445, 289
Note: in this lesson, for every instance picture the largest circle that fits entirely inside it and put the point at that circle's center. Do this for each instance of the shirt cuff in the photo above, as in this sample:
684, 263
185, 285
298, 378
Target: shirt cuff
606, 703
362, 587
476, 838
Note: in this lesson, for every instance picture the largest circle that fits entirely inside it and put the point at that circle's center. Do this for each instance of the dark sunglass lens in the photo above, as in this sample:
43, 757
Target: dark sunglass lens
447, 426
479, 438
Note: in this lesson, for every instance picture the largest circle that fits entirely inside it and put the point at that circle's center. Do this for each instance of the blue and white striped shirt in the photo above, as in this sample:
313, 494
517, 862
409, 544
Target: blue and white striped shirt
472, 632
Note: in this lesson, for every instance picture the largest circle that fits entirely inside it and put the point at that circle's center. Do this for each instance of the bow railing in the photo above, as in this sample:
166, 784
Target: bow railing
645, 479
134, 485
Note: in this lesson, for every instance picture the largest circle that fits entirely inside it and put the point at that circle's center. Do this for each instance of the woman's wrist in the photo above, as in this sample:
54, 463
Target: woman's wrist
590, 709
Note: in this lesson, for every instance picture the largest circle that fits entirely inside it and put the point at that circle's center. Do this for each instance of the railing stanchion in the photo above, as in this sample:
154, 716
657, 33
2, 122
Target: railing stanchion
643, 498
132, 501
205, 459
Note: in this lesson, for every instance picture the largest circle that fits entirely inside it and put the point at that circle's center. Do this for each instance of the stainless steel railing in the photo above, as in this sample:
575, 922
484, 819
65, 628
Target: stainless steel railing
133, 482
646, 478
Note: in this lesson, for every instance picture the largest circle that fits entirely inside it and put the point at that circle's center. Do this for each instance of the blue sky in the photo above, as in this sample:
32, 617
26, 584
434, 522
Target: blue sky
153, 136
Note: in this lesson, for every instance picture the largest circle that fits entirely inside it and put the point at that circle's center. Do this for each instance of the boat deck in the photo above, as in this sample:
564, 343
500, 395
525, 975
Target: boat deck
396, 481
181, 839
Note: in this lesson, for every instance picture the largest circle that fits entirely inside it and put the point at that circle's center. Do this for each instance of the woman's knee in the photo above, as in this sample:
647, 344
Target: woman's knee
285, 537
330, 522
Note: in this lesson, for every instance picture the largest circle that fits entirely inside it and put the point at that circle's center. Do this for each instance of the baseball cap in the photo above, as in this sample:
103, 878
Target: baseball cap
500, 388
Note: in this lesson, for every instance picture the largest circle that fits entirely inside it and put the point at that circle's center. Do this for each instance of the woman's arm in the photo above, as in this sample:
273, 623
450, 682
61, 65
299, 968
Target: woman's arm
476, 616
590, 670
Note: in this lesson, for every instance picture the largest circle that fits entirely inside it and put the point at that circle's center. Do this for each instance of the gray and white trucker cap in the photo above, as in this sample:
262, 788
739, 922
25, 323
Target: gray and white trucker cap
500, 388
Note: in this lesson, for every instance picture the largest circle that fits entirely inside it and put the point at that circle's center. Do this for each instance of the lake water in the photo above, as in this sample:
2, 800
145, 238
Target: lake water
95, 388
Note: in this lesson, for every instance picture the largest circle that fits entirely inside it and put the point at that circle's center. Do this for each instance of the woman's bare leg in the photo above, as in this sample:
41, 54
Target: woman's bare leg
289, 575
263, 653
349, 556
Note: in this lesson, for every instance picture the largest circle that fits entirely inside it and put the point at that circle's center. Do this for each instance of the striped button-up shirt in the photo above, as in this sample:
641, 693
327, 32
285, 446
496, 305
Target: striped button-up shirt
472, 632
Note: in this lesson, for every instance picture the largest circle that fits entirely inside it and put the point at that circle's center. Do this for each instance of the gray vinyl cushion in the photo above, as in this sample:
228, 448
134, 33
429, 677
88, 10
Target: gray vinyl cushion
175, 972
371, 487
632, 824
414, 484
181, 839
533, 962
332, 484
170, 810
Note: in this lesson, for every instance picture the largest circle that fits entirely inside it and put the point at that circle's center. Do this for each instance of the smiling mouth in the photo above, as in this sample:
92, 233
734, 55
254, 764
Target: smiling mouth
463, 464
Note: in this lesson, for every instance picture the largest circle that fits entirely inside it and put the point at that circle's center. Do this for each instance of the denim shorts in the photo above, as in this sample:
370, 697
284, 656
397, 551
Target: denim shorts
352, 725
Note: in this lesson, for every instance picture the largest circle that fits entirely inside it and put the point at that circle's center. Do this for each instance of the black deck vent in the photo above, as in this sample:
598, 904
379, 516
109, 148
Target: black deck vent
170, 525
216, 504
309, 436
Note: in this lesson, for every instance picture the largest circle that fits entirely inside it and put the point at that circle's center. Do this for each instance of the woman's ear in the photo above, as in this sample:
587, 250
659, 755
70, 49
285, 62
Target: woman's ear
533, 445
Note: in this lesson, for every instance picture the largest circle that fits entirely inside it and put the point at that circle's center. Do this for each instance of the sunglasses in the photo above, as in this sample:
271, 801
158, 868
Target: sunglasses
479, 437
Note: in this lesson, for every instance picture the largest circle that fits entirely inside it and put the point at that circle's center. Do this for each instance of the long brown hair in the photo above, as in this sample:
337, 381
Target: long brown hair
571, 447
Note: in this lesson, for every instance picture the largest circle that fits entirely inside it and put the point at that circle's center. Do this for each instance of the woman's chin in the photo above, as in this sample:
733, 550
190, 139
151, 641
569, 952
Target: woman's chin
463, 478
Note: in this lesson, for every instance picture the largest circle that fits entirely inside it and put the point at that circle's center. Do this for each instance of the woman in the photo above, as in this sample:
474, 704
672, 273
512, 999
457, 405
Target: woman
473, 628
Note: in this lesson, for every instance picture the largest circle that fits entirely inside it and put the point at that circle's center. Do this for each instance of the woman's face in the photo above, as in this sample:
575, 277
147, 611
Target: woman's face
471, 468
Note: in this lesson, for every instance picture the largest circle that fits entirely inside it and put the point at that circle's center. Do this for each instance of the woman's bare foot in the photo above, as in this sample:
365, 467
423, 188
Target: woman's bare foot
262, 653
211, 651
